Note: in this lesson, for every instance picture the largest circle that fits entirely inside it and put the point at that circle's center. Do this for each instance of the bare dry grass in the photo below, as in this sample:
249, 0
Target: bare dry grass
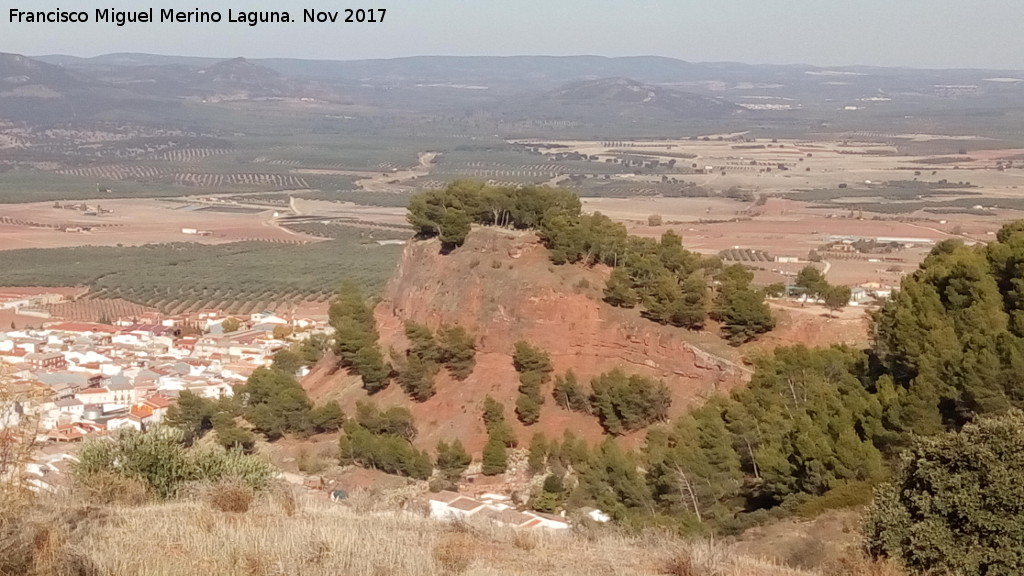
283, 536
315, 538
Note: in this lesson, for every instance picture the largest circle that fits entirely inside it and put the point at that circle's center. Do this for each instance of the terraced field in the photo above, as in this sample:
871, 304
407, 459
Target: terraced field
116, 172
244, 179
92, 309
190, 154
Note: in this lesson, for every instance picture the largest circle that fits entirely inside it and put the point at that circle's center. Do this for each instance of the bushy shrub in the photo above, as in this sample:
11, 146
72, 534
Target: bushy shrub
159, 460
230, 495
955, 504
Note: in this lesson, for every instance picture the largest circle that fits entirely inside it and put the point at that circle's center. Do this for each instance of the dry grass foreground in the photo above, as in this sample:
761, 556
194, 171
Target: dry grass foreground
280, 536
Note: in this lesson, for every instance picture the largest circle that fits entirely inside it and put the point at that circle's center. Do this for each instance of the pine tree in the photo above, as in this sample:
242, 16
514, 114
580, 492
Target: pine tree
494, 420
417, 378
691, 309
526, 358
745, 316
618, 290
954, 506
373, 371
458, 351
527, 409
495, 458
452, 459
568, 393
538, 453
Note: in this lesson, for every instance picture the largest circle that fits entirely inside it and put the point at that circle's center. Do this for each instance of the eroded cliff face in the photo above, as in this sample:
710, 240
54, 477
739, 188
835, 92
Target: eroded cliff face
501, 288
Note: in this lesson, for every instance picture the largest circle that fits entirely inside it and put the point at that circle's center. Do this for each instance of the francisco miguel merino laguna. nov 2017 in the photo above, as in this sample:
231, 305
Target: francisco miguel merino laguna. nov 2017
169, 15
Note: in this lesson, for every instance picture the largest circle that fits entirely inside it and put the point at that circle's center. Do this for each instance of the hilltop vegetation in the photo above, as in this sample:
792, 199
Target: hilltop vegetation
670, 283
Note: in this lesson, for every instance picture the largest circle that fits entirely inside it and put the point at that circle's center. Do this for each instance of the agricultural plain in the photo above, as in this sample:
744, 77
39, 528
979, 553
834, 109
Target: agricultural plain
239, 188
766, 203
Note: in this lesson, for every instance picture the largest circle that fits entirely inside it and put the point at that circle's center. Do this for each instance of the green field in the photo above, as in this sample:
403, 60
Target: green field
180, 277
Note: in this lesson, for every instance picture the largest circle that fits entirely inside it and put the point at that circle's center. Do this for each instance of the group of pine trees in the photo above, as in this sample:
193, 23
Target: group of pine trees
448, 213
355, 338
452, 347
671, 284
357, 348
812, 424
382, 440
500, 437
621, 403
271, 402
804, 426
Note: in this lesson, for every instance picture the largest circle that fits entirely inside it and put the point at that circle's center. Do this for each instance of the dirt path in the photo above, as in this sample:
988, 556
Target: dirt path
385, 182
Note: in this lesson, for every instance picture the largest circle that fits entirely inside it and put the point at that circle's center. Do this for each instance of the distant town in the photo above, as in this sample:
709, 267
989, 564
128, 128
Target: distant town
84, 379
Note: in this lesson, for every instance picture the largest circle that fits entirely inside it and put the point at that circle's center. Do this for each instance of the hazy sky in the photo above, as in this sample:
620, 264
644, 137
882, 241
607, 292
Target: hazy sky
919, 33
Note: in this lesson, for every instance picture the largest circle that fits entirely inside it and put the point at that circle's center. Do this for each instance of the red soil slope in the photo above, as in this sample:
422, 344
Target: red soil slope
501, 287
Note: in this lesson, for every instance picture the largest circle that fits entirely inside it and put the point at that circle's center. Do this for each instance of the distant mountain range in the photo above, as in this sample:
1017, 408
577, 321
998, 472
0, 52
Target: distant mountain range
630, 96
58, 87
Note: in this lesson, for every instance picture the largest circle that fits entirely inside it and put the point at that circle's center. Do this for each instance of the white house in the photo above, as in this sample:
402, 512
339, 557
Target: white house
266, 317
70, 408
447, 505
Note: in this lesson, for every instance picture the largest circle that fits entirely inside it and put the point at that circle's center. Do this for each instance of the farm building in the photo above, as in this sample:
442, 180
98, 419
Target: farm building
447, 505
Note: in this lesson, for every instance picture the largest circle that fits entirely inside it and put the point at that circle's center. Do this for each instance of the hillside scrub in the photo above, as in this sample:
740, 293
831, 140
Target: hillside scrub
162, 465
668, 282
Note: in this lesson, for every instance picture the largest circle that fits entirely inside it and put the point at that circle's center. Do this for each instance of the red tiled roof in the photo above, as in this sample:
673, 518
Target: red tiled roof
158, 401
